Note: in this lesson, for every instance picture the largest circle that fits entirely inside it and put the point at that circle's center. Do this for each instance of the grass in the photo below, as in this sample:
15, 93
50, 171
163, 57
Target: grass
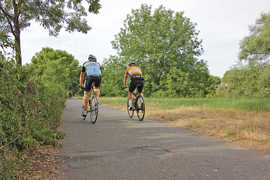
246, 104
243, 121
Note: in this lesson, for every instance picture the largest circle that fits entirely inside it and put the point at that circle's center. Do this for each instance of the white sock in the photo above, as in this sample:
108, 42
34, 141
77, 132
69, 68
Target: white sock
130, 102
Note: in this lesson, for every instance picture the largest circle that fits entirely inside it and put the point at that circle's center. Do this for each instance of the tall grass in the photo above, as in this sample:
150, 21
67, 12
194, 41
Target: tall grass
246, 104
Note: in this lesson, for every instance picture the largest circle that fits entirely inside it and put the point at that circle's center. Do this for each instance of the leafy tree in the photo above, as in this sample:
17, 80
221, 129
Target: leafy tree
112, 76
252, 78
166, 46
57, 67
255, 48
16, 15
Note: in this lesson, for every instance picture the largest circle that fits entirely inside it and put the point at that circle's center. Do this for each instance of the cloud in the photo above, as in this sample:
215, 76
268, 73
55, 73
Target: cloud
222, 24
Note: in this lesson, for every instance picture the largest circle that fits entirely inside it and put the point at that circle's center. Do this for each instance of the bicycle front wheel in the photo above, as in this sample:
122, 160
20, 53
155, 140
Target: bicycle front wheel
94, 110
140, 107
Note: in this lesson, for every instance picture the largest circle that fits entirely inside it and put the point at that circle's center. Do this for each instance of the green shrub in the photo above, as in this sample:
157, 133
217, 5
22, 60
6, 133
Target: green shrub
30, 110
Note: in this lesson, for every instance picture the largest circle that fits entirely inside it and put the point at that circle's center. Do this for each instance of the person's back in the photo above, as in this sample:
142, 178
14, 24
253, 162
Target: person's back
133, 71
92, 68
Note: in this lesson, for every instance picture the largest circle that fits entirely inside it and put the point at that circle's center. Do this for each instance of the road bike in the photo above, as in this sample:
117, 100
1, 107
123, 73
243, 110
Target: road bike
92, 106
138, 105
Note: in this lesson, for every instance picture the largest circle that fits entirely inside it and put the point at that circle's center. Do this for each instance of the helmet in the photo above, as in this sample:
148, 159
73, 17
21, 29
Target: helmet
131, 63
92, 58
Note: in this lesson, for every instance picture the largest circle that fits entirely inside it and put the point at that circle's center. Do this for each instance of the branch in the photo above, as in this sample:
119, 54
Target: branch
8, 17
2, 147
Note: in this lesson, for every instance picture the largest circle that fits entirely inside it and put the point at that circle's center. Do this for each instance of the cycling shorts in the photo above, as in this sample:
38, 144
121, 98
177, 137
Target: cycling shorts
136, 82
92, 79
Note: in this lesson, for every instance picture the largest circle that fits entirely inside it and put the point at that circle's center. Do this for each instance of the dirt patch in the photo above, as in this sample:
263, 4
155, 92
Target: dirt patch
41, 163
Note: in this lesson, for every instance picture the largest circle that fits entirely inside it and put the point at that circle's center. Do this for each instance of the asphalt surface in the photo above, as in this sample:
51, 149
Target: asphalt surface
117, 148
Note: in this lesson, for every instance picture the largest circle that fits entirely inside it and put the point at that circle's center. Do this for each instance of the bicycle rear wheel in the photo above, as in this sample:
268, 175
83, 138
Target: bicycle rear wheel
140, 107
94, 109
130, 112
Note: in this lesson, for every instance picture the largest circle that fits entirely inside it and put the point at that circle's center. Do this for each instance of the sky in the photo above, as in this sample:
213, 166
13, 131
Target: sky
222, 25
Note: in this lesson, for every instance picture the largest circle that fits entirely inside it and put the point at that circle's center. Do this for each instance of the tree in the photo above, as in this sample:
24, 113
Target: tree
112, 76
16, 15
251, 76
255, 48
56, 67
165, 44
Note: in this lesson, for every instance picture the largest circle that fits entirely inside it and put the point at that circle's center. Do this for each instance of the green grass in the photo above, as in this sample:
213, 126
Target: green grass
246, 104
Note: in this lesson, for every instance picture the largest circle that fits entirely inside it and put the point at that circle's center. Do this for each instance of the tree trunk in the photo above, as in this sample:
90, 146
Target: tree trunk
18, 47
17, 34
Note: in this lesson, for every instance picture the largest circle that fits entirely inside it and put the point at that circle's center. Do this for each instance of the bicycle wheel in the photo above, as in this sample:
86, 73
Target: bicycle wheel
140, 107
130, 112
94, 109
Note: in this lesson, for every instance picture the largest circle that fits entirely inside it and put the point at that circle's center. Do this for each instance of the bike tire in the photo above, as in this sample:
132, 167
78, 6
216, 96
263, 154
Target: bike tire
130, 112
94, 110
140, 107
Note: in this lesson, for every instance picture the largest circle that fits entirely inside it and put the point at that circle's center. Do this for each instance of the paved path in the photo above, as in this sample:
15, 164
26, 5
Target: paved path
116, 148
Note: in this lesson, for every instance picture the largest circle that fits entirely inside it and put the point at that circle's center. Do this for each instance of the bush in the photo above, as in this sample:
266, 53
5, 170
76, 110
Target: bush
30, 110
252, 81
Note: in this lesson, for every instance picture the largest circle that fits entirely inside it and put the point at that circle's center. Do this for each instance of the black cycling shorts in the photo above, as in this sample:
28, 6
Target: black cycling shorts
92, 79
137, 82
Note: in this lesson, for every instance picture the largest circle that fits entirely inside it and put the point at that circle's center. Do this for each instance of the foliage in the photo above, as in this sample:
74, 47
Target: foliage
251, 78
10, 163
25, 106
57, 68
54, 15
112, 74
251, 81
166, 46
255, 48
30, 109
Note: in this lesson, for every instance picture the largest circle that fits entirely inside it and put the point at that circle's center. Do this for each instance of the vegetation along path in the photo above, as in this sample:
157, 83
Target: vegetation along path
119, 148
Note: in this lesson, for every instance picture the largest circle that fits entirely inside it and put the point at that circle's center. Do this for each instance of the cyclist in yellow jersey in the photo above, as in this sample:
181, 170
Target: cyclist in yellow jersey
137, 80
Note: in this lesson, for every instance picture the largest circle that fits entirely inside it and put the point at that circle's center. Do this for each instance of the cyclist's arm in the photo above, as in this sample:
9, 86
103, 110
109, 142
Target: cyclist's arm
82, 76
125, 79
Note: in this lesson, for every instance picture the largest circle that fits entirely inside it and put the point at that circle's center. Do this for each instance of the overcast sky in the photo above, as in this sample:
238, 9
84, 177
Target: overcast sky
222, 25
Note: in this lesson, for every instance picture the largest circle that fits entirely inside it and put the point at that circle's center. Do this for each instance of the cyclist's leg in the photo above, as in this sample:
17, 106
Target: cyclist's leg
87, 86
85, 100
97, 92
132, 87
96, 88
140, 86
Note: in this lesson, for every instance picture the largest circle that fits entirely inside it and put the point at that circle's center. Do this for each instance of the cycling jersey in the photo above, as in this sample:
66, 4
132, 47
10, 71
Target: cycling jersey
133, 71
137, 80
91, 68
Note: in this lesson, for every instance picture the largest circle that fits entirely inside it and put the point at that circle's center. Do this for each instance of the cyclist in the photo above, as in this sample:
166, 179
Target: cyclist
137, 81
93, 75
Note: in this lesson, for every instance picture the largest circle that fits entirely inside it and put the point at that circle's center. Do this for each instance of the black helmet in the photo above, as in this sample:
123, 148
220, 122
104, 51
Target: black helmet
92, 58
131, 63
